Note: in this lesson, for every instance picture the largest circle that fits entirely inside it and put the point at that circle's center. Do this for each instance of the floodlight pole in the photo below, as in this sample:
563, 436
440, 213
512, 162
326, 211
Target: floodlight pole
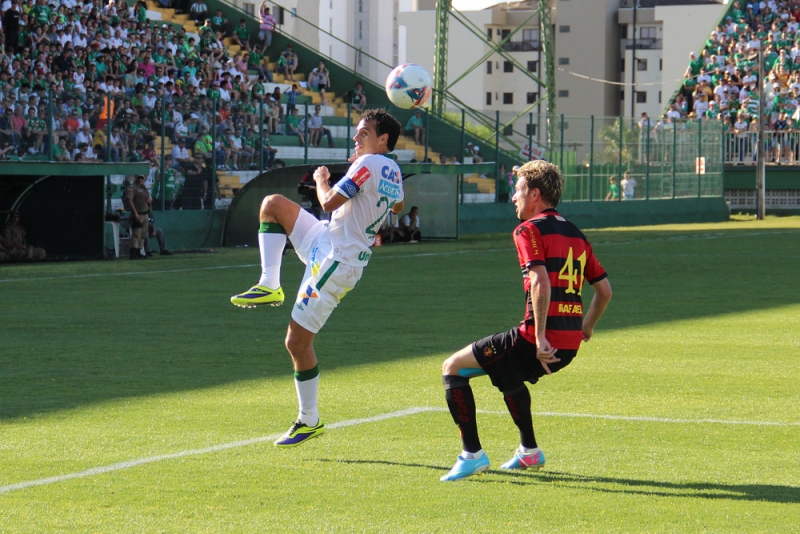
760, 160
440, 59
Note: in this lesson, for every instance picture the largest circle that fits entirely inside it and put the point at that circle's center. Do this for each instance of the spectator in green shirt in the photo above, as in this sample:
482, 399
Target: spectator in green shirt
172, 186
613, 189
219, 23
204, 147
255, 61
293, 126
416, 127
241, 35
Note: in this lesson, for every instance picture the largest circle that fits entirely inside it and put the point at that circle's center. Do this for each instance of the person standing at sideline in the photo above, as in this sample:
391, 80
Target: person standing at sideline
613, 189
628, 185
556, 259
138, 200
335, 253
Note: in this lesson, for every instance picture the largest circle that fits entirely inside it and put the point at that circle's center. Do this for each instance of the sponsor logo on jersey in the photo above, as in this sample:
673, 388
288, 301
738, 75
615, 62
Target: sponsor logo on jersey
389, 189
390, 174
308, 294
488, 352
361, 176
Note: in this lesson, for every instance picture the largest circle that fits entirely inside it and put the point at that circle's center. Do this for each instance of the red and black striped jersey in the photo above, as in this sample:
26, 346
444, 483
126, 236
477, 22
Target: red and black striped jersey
551, 240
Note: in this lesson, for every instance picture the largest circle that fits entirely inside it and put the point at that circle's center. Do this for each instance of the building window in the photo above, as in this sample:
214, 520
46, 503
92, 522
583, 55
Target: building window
647, 32
622, 65
533, 66
489, 34
563, 61
504, 33
250, 9
530, 98
488, 99
530, 35
530, 129
562, 93
563, 29
622, 94
659, 97
488, 67
641, 97
508, 98
660, 64
641, 64
508, 129
360, 30
508, 66
360, 6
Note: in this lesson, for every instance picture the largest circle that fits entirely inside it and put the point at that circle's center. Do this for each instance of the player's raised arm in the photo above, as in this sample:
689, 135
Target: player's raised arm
328, 198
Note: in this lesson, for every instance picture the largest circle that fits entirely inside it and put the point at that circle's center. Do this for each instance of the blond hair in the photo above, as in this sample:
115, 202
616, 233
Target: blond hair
545, 177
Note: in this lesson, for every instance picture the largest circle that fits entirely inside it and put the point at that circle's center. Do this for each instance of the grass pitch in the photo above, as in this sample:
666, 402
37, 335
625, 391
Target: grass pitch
135, 398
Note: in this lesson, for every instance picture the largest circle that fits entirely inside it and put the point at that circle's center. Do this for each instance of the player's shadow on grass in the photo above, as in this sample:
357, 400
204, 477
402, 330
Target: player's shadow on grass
704, 490
693, 490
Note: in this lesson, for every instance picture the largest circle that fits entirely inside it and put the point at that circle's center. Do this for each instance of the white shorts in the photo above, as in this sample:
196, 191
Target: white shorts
325, 281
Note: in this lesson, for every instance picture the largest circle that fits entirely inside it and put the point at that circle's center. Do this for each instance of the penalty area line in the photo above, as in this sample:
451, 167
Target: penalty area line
195, 452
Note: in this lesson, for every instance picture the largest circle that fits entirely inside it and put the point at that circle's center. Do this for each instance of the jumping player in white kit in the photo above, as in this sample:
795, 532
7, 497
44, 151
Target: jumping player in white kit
334, 253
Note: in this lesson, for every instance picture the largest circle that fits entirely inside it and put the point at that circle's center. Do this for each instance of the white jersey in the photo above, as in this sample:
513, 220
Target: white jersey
373, 184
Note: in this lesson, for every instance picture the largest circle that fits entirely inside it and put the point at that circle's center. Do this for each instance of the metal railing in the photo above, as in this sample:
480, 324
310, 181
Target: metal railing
780, 147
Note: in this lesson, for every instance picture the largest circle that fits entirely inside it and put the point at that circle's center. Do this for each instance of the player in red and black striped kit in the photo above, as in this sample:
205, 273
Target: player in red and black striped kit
556, 259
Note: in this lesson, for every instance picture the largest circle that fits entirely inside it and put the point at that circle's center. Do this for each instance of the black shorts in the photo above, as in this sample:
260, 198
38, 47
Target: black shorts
510, 360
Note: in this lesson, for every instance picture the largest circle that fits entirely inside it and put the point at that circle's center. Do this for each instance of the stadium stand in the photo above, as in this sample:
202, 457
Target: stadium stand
721, 81
122, 82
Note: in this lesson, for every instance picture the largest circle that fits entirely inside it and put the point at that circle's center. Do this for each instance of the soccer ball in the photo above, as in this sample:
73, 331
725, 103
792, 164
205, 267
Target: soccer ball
409, 86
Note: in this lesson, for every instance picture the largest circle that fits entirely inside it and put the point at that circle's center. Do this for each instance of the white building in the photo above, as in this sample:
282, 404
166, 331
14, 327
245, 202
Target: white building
595, 70
348, 31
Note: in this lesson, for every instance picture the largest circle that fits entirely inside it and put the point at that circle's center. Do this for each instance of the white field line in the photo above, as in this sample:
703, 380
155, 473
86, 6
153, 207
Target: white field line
719, 235
194, 452
129, 273
353, 422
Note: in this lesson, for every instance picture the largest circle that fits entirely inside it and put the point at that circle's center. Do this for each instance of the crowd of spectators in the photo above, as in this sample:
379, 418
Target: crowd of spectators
721, 83
107, 82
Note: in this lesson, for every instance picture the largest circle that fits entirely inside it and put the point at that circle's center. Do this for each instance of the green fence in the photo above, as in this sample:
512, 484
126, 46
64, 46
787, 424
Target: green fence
673, 160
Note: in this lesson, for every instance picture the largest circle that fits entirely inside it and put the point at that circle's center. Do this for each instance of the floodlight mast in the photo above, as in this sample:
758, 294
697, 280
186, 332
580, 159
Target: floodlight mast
546, 46
440, 61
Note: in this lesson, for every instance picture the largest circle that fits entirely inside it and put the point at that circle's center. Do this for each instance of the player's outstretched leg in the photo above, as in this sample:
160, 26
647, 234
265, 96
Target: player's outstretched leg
461, 403
278, 215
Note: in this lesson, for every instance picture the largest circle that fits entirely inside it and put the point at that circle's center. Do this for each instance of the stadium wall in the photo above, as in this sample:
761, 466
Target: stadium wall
490, 218
190, 229
782, 189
